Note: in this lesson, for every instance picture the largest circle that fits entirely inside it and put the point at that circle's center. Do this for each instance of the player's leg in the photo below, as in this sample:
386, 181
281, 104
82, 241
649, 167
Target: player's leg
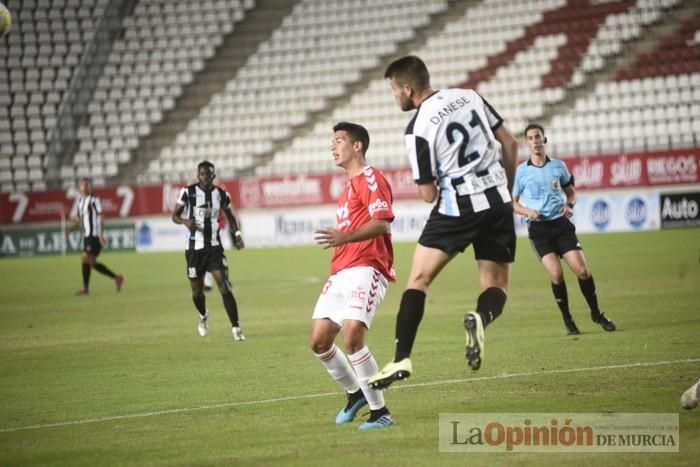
543, 238
371, 287
552, 265
102, 269
494, 251
427, 264
574, 257
208, 282
365, 366
195, 273
494, 278
86, 262
218, 267
322, 343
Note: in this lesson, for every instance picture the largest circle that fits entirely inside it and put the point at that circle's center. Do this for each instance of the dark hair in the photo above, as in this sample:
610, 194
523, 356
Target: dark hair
356, 132
205, 164
533, 126
409, 70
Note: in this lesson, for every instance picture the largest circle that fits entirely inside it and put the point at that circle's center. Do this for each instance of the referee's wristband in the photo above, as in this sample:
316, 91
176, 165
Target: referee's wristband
571, 205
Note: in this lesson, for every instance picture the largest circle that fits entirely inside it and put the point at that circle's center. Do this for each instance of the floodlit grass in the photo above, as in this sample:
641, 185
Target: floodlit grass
124, 379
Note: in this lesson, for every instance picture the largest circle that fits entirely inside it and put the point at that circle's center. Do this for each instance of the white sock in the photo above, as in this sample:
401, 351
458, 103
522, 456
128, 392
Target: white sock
365, 366
338, 367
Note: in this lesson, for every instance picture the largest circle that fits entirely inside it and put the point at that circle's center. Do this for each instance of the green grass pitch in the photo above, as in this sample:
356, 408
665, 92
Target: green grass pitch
124, 379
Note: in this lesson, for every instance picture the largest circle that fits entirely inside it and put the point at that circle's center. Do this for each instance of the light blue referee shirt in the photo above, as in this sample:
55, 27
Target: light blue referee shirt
542, 187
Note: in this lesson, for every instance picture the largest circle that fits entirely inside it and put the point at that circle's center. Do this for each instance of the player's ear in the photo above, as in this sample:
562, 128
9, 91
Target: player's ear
545, 140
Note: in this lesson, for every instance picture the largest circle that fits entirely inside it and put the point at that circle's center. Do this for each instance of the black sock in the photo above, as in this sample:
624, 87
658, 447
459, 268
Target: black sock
231, 307
562, 298
375, 414
589, 293
86, 275
355, 396
490, 304
99, 267
200, 304
407, 321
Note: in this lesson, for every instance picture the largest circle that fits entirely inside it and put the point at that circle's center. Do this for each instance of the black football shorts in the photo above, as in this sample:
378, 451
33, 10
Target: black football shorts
492, 232
206, 259
555, 236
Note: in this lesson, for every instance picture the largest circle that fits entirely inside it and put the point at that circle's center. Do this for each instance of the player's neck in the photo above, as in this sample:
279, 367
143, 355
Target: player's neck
427, 92
355, 168
538, 160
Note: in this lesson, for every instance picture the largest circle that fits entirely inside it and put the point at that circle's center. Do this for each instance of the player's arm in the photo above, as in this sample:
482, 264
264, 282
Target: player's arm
522, 210
178, 219
331, 237
428, 192
101, 223
568, 208
509, 150
74, 223
236, 234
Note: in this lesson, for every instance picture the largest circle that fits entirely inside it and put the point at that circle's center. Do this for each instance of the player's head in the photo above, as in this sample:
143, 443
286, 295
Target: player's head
535, 138
206, 174
85, 186
357, 134
408, 77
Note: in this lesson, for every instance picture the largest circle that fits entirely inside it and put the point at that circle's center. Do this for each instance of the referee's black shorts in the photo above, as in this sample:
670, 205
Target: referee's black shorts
555, 236
205, 259
491, 231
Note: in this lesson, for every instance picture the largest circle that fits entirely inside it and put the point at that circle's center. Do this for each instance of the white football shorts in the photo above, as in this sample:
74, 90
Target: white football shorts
353, 293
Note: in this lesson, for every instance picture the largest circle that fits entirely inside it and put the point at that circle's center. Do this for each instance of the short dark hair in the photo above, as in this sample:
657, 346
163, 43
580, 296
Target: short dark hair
410, 70
205, 164
533, 126
356, 132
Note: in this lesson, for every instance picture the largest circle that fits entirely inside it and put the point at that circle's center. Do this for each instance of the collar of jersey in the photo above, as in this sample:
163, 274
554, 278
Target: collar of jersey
546, 159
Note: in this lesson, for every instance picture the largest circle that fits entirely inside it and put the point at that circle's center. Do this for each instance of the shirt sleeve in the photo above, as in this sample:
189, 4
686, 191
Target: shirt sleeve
518, 183
98, 204
493, 117
183, 199
566, 178
420, 158
376, 193
225, 199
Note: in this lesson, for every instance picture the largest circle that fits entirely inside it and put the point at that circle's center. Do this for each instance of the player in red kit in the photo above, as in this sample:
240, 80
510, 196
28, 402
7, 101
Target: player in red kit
361, 268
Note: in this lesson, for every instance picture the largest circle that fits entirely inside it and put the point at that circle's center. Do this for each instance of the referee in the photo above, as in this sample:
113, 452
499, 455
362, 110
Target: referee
540, 181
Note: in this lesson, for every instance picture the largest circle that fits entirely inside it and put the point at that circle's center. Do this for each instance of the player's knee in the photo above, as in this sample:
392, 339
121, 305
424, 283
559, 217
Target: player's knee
582, 272
353, 344
319, 346
419, 281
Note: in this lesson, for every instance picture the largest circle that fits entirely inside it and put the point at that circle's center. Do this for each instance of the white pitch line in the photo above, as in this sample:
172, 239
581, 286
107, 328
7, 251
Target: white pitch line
326, 394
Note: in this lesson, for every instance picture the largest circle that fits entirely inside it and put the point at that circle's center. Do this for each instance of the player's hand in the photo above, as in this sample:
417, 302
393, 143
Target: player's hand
328, 237
566, 211
532, 214
190, 224
237, 238
103, 242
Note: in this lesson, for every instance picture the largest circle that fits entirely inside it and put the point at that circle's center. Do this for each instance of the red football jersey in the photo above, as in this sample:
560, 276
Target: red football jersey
365, 197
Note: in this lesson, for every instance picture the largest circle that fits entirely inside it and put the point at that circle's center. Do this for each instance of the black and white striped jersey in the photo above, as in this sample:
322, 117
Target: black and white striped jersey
205, 207
89, 210
451, 139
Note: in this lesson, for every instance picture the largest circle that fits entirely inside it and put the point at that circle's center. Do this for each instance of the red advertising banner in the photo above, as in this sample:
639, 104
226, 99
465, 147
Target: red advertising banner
591, 172
636, 169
